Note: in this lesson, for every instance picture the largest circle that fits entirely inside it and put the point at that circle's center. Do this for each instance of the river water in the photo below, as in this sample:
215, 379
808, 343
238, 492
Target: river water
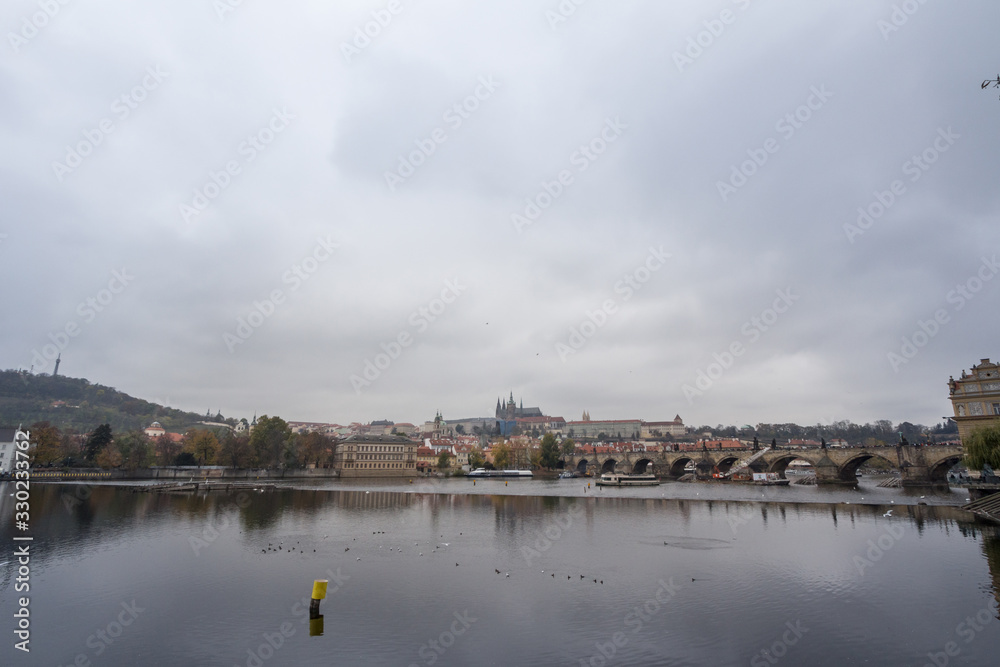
686, 574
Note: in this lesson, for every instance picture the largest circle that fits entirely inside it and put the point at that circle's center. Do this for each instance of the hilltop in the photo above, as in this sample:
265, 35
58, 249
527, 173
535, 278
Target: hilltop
74, 404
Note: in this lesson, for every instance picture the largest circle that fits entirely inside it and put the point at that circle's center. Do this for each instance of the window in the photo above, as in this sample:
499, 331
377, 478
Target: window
996, 408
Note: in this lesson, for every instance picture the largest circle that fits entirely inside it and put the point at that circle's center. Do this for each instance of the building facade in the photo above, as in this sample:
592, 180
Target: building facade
7, 449
975, 397
614, 429
652, 430
376, 456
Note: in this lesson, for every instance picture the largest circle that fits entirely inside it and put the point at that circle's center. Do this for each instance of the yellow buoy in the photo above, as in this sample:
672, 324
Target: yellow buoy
319, 589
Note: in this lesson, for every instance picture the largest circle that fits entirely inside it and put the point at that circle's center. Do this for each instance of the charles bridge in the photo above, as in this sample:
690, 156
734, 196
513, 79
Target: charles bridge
918, 466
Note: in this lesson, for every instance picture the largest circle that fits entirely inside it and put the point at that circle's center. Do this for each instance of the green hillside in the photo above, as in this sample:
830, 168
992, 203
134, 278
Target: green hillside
74, 404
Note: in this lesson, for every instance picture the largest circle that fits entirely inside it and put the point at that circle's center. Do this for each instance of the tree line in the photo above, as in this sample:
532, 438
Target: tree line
271, 444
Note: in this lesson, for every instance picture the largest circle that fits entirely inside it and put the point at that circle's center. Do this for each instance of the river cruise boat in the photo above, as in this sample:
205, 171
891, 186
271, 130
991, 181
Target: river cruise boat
483, 472
615, 479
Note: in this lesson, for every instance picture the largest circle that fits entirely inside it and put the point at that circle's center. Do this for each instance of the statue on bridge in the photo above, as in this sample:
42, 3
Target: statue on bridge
756, 444
822, 443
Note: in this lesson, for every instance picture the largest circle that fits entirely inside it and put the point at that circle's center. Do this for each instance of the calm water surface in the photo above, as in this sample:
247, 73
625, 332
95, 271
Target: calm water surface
125, 578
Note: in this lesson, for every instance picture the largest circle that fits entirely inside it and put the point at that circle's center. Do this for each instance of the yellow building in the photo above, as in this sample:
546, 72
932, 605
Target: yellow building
975, 397
376, 456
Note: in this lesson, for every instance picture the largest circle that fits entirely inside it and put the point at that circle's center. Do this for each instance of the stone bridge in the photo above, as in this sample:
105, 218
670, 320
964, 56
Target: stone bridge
918, 466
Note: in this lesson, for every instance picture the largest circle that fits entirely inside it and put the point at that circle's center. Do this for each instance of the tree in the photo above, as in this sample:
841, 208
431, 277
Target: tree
202, 444
185, 459
476, 458
501, 456
166, 449
983, 447
108, 457
568, 447
47, 441
100, 438
134, 450
315, 448
460, 429
234, 450
602, 436
549, 451
444, 459
269, 441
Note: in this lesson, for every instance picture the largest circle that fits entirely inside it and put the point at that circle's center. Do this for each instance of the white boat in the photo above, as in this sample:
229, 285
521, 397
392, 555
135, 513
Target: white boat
483, 472
566, 474
614, 479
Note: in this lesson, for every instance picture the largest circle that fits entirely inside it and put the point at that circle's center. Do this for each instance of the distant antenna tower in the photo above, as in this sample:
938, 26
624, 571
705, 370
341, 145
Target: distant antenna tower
56, 371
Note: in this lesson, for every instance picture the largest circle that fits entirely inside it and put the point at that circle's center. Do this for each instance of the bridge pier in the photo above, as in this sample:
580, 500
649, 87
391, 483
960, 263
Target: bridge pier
703, 469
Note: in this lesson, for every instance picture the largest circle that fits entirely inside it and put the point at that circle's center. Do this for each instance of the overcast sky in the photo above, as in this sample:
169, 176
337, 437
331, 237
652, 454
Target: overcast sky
685, 175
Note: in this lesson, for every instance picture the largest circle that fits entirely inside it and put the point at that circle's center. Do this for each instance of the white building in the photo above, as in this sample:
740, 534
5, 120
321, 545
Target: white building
7, 450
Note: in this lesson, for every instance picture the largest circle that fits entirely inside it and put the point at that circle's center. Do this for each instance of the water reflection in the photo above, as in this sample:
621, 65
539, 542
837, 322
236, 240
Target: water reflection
530, 568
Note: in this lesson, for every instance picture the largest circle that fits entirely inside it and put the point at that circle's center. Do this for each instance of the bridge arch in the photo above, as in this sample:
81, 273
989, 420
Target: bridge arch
849, 469
581, 466
677, 467
608, 466
938, 471
643, 465
726, 462
780, 464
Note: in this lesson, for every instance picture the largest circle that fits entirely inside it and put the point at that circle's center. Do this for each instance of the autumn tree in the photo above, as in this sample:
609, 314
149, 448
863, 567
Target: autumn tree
108, 457
315, 448
234, 450
202, 444
476, 458
166, 449
501, 456
47, 441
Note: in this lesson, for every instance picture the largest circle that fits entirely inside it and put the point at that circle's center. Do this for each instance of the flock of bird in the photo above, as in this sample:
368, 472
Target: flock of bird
438, 548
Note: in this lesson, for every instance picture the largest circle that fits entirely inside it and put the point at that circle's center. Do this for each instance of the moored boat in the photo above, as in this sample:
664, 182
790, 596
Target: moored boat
483, 472
769, 479
615, 479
